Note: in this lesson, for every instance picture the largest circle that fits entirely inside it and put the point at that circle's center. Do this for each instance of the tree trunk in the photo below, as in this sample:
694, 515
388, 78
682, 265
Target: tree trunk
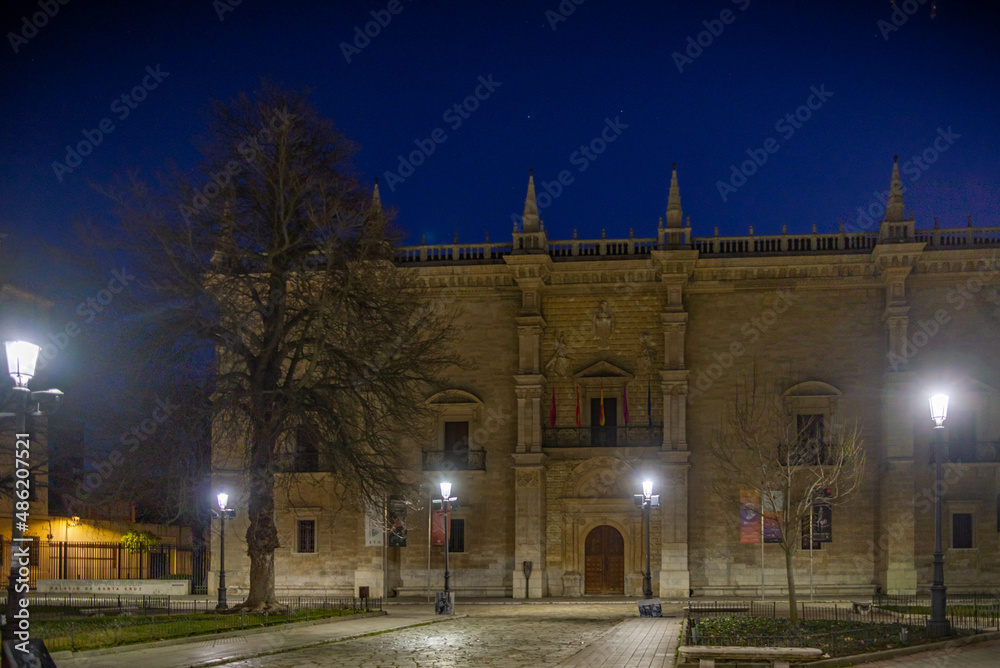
262, 535
793, 613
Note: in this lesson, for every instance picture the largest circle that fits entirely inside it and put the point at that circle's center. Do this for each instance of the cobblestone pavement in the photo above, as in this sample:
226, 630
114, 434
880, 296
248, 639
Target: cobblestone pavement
982, 655
491, 636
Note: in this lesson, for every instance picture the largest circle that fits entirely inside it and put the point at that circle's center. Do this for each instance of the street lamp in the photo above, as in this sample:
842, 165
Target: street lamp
223, 512
647, 500
21, 359
937, 625
446, 600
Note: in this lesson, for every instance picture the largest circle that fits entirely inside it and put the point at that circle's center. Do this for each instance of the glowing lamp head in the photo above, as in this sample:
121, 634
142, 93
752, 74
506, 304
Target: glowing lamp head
223, 499
939, 409
647, 488
21, 359
446, 490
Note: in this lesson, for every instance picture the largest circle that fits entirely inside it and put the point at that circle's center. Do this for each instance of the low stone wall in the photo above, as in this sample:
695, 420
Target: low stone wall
130, 587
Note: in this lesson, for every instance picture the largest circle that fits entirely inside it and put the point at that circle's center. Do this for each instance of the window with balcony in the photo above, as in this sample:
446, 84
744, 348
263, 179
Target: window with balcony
605, 435
960, 431
305, 457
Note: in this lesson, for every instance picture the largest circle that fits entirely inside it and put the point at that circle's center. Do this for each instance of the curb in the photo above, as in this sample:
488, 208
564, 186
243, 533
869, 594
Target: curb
186, 640
904, 651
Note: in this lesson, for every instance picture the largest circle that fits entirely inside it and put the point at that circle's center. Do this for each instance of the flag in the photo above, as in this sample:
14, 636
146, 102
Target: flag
601, 420
649, 404
577, 405
552, 411
625, 401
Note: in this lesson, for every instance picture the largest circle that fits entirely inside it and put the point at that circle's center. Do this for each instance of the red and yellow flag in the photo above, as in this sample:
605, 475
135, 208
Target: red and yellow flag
601, 420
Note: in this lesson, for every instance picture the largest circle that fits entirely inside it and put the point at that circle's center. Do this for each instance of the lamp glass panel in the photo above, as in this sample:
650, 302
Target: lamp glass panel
939, 407
647, 488
223, 498
21, 359
446, 490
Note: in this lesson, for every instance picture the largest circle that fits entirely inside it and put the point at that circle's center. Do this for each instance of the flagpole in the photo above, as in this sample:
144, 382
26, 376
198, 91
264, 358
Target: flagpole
762, 546
811, 552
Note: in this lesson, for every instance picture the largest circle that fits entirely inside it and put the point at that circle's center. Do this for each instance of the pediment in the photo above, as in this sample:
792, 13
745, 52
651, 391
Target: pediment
603, 370
454, 397
812, 389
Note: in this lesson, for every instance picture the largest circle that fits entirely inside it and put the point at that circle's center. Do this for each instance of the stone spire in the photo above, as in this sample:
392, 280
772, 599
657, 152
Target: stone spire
529, 220
894, 209
675, 216
376, 198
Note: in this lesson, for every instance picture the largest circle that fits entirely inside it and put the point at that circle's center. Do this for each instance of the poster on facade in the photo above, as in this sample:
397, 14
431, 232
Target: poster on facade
749, 516
397, 521
773, 509
822, 523
437, 527
374, 532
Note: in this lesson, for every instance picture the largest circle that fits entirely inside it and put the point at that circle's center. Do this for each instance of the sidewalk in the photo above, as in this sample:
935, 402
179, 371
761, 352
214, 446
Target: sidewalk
215, 650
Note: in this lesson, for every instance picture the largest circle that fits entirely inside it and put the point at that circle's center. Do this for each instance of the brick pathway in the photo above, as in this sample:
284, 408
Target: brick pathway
634, 643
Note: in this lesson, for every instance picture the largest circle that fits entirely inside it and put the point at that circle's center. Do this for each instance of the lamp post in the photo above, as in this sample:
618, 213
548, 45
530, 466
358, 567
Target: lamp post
937, 625
445, 600
647, 500
21, 359
223, 513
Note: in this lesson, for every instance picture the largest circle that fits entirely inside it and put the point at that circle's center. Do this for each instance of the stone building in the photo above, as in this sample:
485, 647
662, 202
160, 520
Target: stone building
853, 326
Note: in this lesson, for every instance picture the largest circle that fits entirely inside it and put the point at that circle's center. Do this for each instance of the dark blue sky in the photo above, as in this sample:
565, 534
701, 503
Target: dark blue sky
559, 85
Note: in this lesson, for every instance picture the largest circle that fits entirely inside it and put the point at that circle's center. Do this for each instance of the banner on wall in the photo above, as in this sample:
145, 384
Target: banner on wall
397, 521
749, 516
773, 509
437, 527
374, 535
822, 523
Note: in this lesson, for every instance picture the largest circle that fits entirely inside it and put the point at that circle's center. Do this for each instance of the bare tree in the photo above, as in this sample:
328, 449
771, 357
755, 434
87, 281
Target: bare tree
273, 265
791, 465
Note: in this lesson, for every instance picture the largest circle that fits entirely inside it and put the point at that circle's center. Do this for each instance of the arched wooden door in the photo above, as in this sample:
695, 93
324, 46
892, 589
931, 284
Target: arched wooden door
604, 553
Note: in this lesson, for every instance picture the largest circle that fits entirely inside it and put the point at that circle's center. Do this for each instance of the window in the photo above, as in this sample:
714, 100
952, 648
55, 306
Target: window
607, 435
456, 536
456, 437
306, 536
809, 447
961, 531
960, 430
306, 456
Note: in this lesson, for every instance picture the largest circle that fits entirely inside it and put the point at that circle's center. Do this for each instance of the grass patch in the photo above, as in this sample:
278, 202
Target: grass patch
836, 638
99, 632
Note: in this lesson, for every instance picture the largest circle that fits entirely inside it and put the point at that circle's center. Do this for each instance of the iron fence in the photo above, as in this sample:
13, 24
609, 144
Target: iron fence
59, 560
148, 618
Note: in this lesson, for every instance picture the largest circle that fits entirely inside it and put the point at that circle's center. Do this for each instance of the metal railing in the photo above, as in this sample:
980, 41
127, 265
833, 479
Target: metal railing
463, 460
60, 560
601, 437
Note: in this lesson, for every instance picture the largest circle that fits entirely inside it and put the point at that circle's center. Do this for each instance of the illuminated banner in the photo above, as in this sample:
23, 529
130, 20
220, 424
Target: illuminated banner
437, 527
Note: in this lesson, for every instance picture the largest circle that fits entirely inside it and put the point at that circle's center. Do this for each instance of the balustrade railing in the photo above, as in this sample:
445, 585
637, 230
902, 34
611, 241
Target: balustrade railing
601, 437
709, 246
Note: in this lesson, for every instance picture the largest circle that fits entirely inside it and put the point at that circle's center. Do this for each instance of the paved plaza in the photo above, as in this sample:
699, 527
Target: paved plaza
561, 634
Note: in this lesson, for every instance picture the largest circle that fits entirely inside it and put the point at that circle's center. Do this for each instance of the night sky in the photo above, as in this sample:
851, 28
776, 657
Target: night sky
700, 84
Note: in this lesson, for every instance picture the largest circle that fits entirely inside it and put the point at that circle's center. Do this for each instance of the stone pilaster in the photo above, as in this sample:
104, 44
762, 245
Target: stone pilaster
675, 579
529, 524
893, 550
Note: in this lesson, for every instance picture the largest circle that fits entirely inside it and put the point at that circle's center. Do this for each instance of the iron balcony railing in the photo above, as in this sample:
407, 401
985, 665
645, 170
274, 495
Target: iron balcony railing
462, 460
601, 437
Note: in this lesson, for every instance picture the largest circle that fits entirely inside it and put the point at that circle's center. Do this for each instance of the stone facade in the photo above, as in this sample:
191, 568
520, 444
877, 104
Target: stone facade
855, 326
